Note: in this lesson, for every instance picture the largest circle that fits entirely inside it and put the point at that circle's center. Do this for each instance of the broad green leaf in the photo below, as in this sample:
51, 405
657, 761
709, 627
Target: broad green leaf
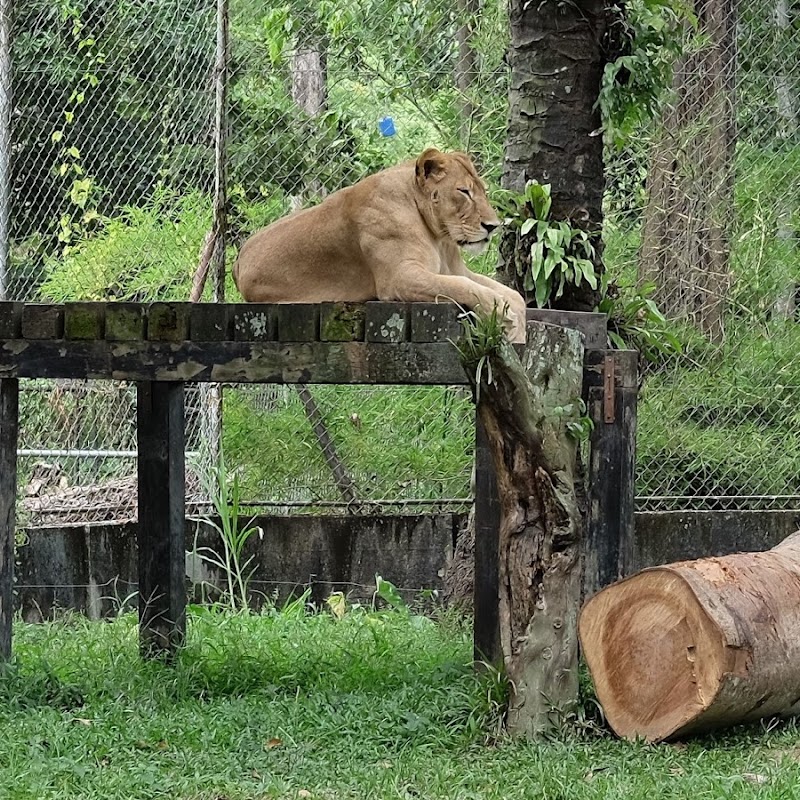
537, 257
388, 592
542, 290
337, 604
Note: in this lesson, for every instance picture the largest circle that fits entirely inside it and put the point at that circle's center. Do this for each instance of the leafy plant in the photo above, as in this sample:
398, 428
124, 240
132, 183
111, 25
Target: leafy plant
389, 593
578, 423
650, 38
146, 253
482, 337
635, 322
225, 495
555, 253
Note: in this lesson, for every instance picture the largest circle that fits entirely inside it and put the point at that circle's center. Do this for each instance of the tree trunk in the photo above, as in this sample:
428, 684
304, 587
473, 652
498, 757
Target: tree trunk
687, 647
784, 88
466, 67
309, 70
685, 247
522, 408
557, 63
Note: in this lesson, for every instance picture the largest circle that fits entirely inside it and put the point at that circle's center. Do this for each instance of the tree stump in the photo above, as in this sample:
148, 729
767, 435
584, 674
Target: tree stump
525, 407
688, 647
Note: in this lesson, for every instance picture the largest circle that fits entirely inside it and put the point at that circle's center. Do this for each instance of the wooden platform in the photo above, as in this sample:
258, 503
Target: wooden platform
162, 346
371, 343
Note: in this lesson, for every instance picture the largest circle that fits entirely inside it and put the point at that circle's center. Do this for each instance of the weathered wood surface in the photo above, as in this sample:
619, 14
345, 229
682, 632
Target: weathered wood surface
160, 537
244, 322
9, 431
524, 414
593, 326
234, 362
611, 490
239, 342
687, 647
486, 585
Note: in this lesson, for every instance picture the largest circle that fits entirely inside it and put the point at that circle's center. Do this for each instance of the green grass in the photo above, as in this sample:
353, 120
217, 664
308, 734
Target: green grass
289, 705
397, 442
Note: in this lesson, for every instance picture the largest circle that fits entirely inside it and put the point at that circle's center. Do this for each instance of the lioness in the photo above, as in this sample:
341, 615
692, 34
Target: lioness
392, 236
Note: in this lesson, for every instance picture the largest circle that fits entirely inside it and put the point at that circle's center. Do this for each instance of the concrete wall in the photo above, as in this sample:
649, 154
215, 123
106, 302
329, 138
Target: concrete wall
662, 537
93, 568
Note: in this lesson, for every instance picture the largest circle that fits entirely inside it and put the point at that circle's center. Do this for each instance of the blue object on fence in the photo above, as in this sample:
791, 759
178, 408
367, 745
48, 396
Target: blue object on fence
386, 126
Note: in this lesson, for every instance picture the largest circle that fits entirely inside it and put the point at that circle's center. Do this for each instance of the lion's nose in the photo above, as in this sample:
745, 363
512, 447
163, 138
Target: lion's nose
490, 226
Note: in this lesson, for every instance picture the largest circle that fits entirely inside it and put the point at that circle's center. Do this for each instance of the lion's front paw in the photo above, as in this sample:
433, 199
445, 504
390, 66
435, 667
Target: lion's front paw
516, 324
517, 333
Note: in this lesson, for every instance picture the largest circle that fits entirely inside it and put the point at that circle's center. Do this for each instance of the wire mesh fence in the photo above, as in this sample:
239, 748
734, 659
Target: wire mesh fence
715, 233
116, 129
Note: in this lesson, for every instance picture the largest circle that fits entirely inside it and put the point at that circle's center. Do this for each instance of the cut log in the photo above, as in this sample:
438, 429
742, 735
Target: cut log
688, 647
524, 408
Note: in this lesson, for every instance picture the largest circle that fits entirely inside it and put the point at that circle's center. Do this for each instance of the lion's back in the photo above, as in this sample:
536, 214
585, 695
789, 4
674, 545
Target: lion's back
315, 255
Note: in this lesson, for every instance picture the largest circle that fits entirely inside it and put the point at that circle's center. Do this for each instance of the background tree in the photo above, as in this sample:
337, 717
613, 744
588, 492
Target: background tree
685, 246
558, 54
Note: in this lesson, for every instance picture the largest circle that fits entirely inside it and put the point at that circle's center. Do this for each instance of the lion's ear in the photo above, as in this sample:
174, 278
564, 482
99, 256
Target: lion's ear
430, 164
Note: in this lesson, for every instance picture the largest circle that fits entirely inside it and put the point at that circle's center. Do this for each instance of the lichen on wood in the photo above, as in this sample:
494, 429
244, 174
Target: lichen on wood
521, 404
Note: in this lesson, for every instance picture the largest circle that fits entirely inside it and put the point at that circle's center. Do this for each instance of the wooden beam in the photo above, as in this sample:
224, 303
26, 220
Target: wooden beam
612, 468
160, 538
234, 362
592, 325
9, 433
486, 588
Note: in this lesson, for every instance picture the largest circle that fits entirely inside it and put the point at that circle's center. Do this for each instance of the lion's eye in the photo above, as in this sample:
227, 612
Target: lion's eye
467, 192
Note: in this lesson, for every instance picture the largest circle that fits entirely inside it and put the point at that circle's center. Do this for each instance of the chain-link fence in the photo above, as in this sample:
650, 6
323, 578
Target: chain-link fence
128, 138
715, 232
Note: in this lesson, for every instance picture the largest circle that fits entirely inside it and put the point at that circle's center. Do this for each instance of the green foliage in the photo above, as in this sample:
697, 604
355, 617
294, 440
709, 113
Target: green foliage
96, 98
290, 704
725, 423
389, 593
146, 253
764, 250
397, 443
549, 254
482, 338
635, 322
578, 424
224, 492
634, 83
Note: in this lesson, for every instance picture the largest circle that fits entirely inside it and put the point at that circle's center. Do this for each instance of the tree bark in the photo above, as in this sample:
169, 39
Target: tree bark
685, 245
557, 61
696, 645
521, 408
309, 71
466, 66
784, 86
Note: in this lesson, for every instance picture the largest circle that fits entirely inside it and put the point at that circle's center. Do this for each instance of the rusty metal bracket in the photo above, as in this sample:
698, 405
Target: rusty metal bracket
609, 388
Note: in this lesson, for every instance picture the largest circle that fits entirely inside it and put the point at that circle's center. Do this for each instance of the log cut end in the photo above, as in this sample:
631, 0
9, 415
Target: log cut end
656, 657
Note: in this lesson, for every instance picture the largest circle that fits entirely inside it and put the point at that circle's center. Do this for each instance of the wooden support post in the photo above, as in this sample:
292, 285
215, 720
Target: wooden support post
487, 505
9, 433
486, 589
525, 410
612, 464
162, 587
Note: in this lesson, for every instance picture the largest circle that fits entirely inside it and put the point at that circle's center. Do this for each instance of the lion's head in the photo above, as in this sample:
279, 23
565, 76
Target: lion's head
456, 198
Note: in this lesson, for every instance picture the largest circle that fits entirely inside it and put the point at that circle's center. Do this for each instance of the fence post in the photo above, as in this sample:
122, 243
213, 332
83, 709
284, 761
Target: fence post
160, 537
612, 467
9, 434
486, 626
487, 507
5, 143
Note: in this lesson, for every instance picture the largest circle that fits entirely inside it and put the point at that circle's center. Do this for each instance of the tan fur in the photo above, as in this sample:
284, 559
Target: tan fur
395, 235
